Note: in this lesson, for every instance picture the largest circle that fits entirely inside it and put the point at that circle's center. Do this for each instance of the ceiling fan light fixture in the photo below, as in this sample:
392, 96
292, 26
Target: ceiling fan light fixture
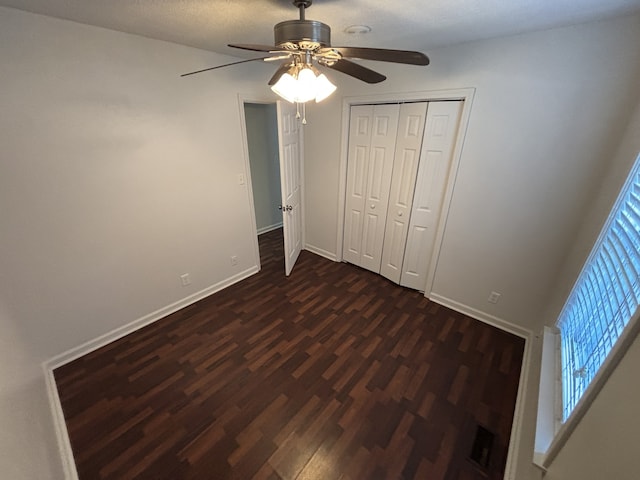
302, 83
304, 43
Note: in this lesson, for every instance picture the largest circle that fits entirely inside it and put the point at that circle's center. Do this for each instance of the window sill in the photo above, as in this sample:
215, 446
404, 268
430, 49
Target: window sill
546, 422
551, 435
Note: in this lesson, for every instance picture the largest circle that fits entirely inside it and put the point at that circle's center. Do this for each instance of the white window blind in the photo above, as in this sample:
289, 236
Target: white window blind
605, 296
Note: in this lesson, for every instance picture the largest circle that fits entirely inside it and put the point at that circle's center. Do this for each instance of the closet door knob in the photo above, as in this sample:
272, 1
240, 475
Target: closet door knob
373, 206
399, 213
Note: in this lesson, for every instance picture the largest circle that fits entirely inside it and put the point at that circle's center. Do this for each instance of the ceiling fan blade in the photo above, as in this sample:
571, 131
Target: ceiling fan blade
281, 71
358, 71
222, 66
384, 55
257, 48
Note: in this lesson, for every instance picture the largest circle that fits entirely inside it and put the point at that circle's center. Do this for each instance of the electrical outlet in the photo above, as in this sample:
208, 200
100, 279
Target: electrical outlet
241, 179
494, 297
234, 260
185, 279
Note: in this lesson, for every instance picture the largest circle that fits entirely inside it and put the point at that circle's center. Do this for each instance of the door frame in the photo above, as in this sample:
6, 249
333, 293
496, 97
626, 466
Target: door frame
252, 98
464, 94
242, 99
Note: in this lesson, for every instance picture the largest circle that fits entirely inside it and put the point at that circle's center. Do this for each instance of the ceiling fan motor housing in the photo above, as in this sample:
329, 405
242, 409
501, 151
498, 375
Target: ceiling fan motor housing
302, 31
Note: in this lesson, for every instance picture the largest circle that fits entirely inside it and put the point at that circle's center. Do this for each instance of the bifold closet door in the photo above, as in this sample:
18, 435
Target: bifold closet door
433, 174
403, 182
372, 140
398, 167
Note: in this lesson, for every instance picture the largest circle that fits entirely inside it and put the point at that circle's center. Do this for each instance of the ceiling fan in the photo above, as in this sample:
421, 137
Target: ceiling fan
303, 43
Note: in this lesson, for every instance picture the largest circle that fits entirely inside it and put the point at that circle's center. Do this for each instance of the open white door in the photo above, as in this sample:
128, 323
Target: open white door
289, 140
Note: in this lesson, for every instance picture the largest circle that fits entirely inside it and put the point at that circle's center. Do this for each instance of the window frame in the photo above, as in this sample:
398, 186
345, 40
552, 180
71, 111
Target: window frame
563, 430
585, 299
632, 330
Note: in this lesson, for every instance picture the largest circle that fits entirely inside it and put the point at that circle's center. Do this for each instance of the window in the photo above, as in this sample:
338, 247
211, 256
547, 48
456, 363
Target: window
605, 296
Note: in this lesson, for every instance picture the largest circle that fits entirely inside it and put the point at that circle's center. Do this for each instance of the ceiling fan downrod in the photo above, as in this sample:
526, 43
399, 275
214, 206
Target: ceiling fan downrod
302, 5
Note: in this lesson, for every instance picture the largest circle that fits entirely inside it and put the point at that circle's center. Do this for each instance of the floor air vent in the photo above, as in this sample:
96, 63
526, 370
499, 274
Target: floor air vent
481, 448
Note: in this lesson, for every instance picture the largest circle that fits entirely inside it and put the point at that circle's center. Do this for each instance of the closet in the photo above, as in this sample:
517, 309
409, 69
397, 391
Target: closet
397, 170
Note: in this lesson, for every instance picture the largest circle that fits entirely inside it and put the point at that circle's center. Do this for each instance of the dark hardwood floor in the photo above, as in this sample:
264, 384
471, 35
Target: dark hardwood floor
332, 373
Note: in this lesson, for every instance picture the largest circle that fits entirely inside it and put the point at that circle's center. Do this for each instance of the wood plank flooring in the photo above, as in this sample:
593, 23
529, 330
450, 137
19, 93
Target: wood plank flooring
332, 373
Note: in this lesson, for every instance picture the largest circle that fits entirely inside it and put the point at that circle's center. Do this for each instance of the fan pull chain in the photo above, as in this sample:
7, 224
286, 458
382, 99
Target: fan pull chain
304, 113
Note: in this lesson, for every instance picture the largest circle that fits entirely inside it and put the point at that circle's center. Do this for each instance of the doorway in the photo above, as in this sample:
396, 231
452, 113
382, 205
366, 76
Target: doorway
264, 162
261, 126
273, 159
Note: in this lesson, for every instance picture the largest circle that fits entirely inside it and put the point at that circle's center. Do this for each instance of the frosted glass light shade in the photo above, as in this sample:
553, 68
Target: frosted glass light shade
324, 87
306, 85
286, 87
302, 85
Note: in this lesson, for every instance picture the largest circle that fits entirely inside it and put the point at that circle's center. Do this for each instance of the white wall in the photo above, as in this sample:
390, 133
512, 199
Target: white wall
262, 143
116, 177
28, 448
615, 172
548, 108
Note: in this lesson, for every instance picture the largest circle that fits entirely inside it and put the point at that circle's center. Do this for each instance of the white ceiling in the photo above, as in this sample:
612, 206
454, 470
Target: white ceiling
406, 24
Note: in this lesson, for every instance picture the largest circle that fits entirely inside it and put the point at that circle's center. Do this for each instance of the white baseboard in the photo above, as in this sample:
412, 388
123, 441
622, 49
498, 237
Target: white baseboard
511, 467
321, 252
266, 229
516, 426
131, 327
482, 316
64, 444
62, 436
